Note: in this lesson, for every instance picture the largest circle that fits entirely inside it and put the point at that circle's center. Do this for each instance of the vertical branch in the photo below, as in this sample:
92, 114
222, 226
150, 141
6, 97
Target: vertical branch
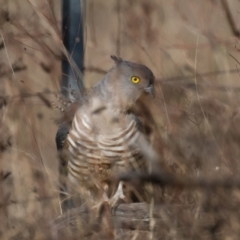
118, 50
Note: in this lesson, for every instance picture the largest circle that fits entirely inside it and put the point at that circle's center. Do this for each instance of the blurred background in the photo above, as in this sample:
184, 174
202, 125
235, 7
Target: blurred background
193, 49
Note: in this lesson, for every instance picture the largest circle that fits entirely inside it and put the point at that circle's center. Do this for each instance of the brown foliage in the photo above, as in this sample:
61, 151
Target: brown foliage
193, 122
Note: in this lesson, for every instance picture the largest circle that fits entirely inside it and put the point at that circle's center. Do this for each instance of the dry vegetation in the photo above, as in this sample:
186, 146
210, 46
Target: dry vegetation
193, 122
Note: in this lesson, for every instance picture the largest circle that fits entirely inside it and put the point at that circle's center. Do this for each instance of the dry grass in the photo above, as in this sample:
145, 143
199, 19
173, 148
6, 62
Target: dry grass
192, 48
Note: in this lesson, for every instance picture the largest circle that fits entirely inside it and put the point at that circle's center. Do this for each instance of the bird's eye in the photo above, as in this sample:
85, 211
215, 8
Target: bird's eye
135, 79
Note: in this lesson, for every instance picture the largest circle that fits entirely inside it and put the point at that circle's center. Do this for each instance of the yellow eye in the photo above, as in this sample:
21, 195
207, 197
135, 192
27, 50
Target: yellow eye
135, 79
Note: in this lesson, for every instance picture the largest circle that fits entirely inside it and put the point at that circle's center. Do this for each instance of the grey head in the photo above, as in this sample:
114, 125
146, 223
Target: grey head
124, 83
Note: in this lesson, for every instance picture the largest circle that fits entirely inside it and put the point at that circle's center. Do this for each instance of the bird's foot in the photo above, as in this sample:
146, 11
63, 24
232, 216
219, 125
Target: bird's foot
116, 199
111, 204
101, 206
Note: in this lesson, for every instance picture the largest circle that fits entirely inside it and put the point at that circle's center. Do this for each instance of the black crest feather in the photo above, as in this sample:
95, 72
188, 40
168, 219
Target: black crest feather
116, 60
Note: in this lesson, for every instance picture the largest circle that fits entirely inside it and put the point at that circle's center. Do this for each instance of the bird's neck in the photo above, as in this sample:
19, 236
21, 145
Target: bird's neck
111, 93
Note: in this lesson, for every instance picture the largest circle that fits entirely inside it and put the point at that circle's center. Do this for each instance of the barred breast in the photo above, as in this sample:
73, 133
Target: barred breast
102, 144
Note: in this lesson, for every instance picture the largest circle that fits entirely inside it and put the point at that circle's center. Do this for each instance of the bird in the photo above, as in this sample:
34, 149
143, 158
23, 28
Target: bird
101, 137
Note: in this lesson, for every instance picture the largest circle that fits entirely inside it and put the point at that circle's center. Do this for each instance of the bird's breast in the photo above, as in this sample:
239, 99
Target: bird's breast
98, 149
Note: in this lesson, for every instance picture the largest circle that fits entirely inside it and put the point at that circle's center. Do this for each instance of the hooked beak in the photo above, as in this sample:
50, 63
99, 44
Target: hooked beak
150, 90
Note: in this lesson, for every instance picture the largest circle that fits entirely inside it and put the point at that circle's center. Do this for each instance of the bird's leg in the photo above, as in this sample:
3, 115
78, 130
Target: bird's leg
104, 199
112, 202
117, 197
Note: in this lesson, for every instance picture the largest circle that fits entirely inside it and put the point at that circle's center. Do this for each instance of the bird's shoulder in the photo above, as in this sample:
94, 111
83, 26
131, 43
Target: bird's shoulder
65, 123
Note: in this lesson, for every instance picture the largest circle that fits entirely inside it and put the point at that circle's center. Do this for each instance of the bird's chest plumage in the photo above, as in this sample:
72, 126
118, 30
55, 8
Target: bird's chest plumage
101, 145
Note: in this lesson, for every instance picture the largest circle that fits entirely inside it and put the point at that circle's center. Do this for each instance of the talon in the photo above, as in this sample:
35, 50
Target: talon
116, 199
